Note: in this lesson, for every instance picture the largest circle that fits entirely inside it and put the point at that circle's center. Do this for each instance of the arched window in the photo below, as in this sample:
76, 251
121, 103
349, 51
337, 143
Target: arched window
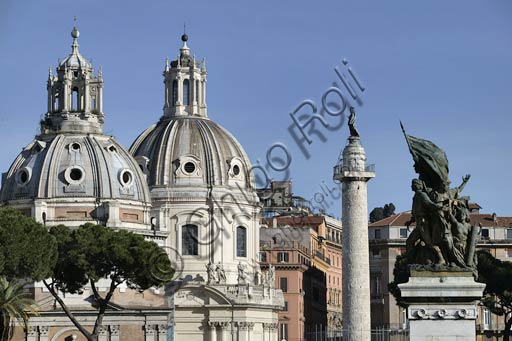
196, 91
56, 102
241, 241
189, 240
93, 104
74, 99
186, 92
174, 92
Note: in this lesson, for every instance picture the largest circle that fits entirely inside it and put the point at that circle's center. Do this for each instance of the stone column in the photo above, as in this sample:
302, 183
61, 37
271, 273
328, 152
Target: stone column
274, 335
354, 173
103, 333
150, 332
266, 331
32, 333
211, 327
114, 333
43, 333
225, 331
162, 332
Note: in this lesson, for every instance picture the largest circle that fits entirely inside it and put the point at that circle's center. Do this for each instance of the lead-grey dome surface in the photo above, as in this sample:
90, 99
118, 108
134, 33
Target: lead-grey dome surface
188, 150
74, 166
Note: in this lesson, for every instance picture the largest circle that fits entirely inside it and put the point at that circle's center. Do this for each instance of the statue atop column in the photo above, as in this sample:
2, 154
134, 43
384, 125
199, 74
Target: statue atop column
352, 123
443, 236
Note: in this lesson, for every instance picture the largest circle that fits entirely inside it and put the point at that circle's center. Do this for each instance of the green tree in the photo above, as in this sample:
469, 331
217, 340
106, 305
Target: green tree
376, 214
15, 304
379, 213
93, 252
497, 275
27, 250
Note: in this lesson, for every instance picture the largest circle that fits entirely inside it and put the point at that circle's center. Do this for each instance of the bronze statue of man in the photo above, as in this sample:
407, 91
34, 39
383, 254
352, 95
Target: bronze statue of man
423, 209
352, 123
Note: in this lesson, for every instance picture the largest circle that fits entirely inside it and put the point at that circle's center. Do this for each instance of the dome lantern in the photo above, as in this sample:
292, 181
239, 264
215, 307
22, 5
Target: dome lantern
185, 85
74, 95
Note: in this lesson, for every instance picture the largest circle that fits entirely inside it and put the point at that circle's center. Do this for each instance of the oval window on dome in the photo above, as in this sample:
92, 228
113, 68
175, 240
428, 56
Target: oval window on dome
236, 170
23, 176
75, 146
189, 167
74, 175
126, 177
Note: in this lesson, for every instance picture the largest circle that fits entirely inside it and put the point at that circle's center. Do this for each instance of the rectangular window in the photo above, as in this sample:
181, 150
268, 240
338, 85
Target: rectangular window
282, 257
189, 240
377, 234
263, 257
285, 306
283, 332
241, 241
283, 284
403, 233
509, 233
485, 233
487, 319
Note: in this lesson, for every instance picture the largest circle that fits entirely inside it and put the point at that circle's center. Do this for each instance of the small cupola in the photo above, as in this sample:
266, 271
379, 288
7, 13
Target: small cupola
185, 84
74, 95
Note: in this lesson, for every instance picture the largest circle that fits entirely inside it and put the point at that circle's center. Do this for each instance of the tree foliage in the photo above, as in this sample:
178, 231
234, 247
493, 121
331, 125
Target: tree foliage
15, 304
379, 213
26, 248
93, 252
497, 275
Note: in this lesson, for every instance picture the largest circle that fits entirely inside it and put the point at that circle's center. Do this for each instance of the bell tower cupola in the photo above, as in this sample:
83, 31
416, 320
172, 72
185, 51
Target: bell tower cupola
185, 84
74, 95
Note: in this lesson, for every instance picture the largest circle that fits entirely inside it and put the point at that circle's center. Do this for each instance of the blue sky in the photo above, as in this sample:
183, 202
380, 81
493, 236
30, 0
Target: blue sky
443, 68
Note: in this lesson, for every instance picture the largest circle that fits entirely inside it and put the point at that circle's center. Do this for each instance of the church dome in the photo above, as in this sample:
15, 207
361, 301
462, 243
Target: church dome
74, 166
72, 173
188, 150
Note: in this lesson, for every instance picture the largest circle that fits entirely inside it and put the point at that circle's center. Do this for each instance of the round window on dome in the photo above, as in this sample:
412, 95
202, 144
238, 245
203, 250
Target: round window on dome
75, 146
74, 175
236, 170
189, 167
23, 176
126, 177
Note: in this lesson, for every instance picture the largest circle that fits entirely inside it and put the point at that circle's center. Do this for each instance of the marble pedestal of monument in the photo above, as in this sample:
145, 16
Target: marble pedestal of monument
442, 305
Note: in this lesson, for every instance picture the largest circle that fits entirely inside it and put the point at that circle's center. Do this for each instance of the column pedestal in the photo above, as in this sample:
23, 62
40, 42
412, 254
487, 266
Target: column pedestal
442, 305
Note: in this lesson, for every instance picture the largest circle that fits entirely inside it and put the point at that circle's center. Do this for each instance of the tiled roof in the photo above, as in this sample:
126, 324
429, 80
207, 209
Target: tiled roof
295, 221
485, 219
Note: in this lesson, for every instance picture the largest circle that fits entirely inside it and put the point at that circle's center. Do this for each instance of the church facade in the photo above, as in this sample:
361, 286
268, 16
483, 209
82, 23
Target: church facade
185, 183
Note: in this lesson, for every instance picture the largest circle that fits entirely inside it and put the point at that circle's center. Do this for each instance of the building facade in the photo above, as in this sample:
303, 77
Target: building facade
284, 217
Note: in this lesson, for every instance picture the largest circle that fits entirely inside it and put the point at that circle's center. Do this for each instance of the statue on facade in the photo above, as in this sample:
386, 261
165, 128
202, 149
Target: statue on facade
271, 275
241, 273
257, 274
221, 274
210, 269
443, 237
352, 123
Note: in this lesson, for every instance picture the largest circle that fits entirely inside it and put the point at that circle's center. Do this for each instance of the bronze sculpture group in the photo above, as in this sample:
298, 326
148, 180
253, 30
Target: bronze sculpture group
444, 237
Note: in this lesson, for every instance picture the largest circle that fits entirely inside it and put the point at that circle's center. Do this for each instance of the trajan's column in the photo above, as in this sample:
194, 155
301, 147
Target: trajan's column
354, 173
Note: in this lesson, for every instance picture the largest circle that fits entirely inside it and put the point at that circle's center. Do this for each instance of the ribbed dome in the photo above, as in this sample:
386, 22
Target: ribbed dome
74, 166
187, 150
